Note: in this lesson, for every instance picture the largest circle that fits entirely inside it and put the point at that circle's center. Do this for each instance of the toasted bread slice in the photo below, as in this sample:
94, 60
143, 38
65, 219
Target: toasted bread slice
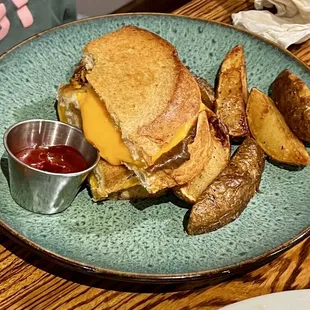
131, 68
218, 160
106, 181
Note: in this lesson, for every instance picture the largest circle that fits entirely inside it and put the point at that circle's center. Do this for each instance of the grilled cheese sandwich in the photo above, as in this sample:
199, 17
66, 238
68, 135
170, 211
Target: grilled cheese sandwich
139, 114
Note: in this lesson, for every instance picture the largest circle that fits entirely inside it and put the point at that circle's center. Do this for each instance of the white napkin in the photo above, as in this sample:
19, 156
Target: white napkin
290, 25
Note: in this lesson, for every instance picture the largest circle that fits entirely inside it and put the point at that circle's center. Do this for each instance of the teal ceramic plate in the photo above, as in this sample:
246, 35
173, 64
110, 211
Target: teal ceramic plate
146, 241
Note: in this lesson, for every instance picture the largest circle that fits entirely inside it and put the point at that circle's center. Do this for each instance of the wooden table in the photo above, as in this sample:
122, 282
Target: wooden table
30, 282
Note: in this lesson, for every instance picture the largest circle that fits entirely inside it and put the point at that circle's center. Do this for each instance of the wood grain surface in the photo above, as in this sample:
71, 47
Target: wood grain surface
29, 282
221, 10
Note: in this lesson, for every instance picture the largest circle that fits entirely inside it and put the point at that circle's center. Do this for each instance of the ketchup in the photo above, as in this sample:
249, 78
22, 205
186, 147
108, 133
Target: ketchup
57, 159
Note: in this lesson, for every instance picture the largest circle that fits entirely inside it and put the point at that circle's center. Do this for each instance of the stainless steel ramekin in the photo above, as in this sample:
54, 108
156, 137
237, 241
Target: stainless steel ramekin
40, 191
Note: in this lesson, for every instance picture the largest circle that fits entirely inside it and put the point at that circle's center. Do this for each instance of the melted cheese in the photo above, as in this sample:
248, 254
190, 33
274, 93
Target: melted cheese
100, 130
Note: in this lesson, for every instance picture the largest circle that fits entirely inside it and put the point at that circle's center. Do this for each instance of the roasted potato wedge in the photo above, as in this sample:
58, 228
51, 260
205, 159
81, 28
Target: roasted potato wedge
207, 93
228, 195
292, 97
232, 93
218, 161
269, 129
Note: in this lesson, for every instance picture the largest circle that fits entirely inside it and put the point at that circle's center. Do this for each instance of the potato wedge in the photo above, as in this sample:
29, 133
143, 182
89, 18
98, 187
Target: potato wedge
232, 93
269, 129
230, 192
218, 161
207, 93
292, 97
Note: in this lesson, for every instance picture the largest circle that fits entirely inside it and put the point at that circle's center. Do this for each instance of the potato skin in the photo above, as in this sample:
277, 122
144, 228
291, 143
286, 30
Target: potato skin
228, 195
232, 94
292, 97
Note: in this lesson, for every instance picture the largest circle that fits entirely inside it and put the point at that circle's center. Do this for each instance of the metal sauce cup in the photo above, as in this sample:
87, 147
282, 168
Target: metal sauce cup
40, 191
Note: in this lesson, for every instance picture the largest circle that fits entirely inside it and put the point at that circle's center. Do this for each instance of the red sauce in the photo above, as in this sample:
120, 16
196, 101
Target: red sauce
57, 159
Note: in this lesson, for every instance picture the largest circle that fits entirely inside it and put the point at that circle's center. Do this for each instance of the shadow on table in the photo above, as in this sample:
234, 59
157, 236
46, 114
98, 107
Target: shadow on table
94, 281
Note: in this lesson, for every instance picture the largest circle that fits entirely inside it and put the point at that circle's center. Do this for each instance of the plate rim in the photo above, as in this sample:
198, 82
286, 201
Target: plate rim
154, 278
